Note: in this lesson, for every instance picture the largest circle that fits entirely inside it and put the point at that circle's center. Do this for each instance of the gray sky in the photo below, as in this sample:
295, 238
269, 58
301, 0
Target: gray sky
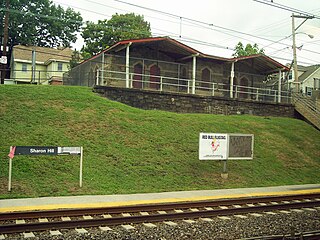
258, 21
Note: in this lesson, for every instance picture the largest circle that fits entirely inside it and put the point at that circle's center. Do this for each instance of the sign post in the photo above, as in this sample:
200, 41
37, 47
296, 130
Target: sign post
41, 150
81, 159
10, 171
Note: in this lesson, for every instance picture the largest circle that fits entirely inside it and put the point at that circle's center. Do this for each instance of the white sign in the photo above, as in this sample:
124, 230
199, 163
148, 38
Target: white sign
69, 150
3, 60
213, 146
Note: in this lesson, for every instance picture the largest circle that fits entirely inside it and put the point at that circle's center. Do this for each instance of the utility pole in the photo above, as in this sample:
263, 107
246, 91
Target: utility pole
5, 41
295, 65
294, 47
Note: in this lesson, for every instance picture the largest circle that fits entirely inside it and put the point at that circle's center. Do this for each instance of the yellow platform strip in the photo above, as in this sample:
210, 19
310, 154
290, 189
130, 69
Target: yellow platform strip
151, 201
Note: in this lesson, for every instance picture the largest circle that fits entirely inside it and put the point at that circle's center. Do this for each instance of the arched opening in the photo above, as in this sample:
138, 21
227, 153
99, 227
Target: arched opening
97, 75
155, 77
183, 82
205, 78
243, 88
137, 77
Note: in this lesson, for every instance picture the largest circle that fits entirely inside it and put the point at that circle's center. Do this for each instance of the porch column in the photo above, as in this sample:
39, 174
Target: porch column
33, 68
194, 69
128, 65
231, 80
279, 87
102, 69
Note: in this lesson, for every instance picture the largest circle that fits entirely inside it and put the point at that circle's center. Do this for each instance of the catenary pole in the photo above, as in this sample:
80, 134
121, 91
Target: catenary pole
5, 41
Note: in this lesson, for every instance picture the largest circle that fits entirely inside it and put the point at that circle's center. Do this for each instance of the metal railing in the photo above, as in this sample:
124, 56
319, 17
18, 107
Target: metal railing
33, 77
307, 108
181, 85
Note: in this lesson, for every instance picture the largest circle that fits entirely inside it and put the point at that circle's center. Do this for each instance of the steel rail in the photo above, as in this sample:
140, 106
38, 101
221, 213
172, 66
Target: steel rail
313, 235
40, 226
148, 207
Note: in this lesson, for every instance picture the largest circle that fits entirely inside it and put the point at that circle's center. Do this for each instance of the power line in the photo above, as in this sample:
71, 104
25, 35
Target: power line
208, 25
87, 10
287, 8
105, 5
40, 15
201, 24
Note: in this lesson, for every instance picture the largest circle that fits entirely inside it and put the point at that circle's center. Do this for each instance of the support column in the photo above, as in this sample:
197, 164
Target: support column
194, 70
279, 87
231, 80
33, 68
102, 69
295, 64
128, 65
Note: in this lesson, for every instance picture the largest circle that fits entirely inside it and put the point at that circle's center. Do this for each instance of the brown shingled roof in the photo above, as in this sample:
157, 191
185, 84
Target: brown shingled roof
43, 54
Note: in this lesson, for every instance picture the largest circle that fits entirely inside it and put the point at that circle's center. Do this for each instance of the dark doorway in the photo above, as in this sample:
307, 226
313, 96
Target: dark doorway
205, 78
155, 77
243, 89
137, 77
183, 82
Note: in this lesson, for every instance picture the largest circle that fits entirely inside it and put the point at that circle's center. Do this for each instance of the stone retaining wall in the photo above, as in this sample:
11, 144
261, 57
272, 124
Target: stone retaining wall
189, 103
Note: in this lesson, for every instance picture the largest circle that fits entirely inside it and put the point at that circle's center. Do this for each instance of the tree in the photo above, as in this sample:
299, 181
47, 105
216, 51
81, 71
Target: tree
99, 36
241, 51
75, 59
40, 23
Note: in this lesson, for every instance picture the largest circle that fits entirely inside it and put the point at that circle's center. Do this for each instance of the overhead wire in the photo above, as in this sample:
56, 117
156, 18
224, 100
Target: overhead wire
39, 15
188, 19
87, 10
190, 40
196, 23
287, 8
208, 25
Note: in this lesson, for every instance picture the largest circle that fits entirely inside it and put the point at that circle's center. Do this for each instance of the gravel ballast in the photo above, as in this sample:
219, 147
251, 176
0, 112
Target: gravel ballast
234, 228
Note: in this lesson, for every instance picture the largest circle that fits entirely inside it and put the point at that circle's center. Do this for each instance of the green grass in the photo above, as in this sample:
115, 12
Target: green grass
128, 150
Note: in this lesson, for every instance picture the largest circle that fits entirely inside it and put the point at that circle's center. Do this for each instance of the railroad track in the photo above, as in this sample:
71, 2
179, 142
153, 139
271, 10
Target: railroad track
112, 216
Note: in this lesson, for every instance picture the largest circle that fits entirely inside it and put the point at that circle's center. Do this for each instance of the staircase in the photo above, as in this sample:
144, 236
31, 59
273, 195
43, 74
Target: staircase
307, 108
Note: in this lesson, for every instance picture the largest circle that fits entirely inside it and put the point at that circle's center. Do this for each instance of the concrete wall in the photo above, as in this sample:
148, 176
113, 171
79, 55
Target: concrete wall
187, 103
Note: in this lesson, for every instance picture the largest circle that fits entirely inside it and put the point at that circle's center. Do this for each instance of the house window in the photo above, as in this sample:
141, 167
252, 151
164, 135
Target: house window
316, 84
309, 91
24, 67
59, 67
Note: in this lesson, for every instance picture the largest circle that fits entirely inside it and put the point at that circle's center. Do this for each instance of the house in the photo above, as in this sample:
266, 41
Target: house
165, 64
50, 64
309, 78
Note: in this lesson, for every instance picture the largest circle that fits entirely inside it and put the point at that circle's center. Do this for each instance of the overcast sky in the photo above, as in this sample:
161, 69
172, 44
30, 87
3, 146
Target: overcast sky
258, 22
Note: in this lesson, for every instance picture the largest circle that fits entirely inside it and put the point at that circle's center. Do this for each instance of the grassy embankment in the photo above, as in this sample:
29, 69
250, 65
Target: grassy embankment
128, 150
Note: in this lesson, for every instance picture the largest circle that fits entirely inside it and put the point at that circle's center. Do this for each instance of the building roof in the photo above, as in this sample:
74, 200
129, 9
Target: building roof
181, 51
263, 63
308, 71
164, 44
43, 54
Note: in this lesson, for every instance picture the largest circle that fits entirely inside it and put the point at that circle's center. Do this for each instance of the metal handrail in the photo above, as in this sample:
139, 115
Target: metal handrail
308, 106
208, 86
306, 101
